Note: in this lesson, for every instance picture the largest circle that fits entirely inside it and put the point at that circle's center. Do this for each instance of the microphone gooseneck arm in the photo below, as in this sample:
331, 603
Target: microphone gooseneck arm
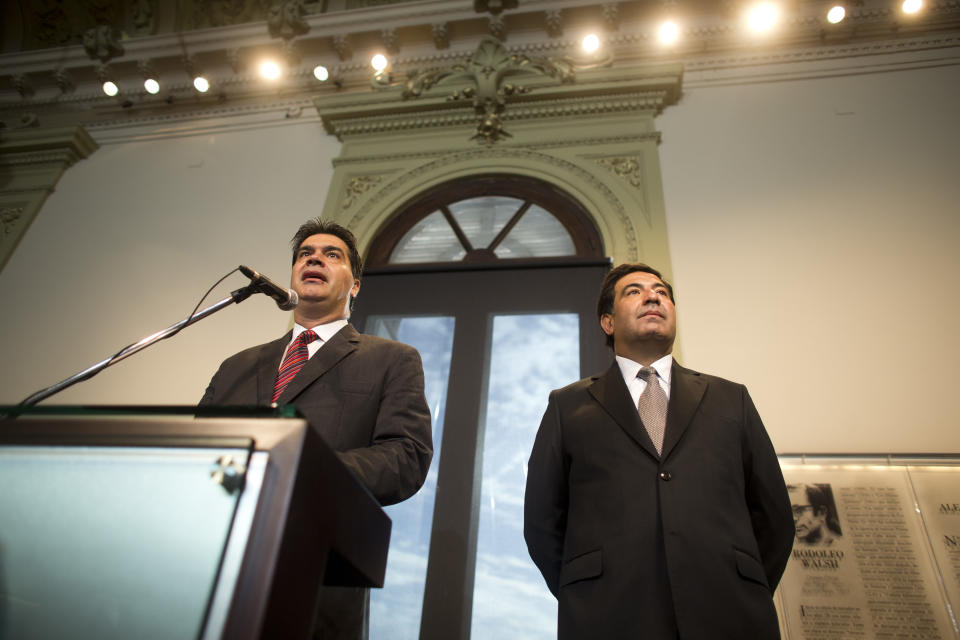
235, 297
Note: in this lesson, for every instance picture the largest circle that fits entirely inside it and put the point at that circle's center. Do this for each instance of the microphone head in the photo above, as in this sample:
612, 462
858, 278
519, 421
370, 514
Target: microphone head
292, 301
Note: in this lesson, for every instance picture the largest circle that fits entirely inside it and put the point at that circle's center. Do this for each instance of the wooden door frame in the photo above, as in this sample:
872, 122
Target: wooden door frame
473, 296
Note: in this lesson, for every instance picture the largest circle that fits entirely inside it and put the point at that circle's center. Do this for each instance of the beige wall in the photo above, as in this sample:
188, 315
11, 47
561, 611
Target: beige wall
814, 229
131, 239
812, 224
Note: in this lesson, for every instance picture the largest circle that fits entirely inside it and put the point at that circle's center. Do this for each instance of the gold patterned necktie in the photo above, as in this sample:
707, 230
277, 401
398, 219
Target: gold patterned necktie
652, 406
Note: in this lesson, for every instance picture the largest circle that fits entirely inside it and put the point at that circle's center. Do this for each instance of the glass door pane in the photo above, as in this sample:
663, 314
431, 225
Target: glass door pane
395, 609
530, 356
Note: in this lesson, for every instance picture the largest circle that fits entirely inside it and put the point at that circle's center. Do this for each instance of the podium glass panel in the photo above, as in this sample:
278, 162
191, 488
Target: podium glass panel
113, 542
175, 522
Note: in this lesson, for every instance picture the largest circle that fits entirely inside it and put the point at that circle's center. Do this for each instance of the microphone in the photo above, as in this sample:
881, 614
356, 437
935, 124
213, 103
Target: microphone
285, 298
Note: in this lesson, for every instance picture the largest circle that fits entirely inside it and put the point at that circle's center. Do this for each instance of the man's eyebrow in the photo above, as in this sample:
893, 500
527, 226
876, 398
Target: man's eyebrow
324, 249
640, 285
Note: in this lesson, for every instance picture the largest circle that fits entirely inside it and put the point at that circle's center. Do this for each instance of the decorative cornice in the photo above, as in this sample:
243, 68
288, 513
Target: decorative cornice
280, 108
487, 81
590, 105
652, 101
709, 27
493, 156
366, 125
39, 146
572, 141
60, 86
491, 82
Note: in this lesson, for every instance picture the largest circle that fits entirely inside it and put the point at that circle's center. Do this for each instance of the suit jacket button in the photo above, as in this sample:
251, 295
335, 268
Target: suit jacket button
665, 476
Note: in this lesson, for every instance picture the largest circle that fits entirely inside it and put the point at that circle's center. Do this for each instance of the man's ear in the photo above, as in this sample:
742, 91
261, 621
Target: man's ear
820, 512
355, 289
606, 323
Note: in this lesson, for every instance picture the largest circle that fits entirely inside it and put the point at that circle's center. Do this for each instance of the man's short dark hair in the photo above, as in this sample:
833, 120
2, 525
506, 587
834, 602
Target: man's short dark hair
318, 225
607, 289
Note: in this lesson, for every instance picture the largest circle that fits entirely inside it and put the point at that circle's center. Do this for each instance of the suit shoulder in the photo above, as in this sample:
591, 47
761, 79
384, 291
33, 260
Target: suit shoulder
368, 341
385, 350
709, 378
575, 388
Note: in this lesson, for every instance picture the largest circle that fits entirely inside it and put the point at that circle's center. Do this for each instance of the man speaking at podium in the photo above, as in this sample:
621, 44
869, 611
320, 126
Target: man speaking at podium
363, 394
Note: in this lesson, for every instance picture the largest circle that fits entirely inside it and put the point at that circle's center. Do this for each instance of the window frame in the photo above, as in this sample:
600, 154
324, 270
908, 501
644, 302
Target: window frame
531, 191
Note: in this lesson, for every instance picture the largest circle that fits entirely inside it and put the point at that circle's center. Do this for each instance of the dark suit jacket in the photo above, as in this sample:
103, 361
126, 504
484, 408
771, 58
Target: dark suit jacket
365, 396
690, 544
362, 393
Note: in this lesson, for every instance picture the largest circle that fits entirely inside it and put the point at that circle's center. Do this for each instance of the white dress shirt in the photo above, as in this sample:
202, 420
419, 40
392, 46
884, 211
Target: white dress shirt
324, 333
636, 384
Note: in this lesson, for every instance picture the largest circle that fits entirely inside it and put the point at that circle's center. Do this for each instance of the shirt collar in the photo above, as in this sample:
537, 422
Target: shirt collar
629, 368
323, 331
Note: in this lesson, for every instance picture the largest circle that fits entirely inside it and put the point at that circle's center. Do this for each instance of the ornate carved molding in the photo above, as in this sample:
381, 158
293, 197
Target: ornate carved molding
102, 42
224, 117
630, 169
554, 20
572, 141
63, 81
40, 146
611, 15
358, 186
341, 44
58, 102
9, 220
873, 38
494, 7
653, 101
627, 168
487, 87
494, 156
23, 85
285, 19
441, 34
205, 15
497, 27
390, 40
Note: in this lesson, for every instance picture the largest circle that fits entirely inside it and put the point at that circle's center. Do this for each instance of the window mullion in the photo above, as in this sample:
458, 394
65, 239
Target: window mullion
510, 224
461, 236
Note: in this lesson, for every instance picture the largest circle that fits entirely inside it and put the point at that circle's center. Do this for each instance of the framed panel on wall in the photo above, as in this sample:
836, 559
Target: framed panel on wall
877, 549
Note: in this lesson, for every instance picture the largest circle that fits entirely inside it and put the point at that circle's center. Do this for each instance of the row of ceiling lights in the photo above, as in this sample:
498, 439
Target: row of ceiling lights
760, 17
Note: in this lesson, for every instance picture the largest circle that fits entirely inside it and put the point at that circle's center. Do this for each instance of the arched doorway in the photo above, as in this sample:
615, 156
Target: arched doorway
493, 278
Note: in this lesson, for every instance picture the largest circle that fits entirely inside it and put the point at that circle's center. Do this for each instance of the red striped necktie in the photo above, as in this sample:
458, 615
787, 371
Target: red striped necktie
297, 356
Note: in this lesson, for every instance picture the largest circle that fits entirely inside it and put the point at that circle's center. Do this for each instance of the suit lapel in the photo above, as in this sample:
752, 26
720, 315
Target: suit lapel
611, 392
686, 391
336, 349
268, 363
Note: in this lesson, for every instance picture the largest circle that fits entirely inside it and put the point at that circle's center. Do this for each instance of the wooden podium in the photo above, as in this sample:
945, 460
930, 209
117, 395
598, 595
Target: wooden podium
175, 522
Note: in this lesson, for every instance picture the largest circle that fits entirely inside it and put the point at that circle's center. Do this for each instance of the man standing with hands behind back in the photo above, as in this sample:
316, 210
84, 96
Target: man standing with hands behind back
362, 393
655, 507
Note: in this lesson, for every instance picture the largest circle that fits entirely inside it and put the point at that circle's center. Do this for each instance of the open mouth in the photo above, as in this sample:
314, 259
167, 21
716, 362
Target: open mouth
312, 276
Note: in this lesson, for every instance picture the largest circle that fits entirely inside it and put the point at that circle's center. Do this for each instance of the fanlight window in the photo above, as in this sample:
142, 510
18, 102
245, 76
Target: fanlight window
487, 219
505, 227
